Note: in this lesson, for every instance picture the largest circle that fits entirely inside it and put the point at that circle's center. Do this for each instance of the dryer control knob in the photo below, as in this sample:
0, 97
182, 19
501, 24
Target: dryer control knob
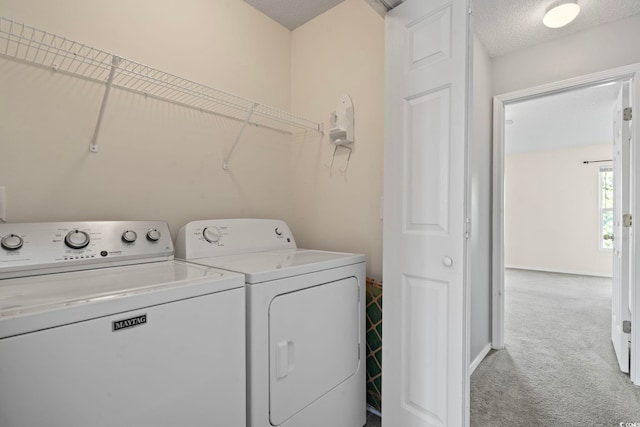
211, 234
77, 239
129, 236
153, 235
12, 242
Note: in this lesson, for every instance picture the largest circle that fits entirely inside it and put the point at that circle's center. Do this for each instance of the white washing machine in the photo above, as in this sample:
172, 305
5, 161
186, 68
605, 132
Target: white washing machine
100, 327
305, 321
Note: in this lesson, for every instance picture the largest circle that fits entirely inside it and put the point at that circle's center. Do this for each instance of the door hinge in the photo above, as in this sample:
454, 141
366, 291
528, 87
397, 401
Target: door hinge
627, 114
467, 228
626, 326
627, 220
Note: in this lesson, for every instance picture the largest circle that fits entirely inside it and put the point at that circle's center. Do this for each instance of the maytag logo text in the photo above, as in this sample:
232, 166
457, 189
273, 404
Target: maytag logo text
129, 323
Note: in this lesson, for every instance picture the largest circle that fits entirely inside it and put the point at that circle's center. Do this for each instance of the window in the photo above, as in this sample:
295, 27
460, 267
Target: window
606, 207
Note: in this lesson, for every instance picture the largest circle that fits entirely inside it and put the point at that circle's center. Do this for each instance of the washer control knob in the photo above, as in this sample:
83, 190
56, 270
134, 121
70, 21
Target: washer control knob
211, 234
129, 236
12, 242
77, 239
153, 235
278, 231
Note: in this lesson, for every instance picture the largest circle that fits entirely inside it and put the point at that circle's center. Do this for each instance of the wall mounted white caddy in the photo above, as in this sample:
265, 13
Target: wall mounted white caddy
341, 133
38, 47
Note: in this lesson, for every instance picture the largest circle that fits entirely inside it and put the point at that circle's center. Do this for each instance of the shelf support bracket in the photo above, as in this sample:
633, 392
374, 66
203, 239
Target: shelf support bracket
115, 61
225, 164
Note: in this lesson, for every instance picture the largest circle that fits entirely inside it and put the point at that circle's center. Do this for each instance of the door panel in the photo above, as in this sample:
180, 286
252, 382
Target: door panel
426, 88
426, 157
620, 311
423, 391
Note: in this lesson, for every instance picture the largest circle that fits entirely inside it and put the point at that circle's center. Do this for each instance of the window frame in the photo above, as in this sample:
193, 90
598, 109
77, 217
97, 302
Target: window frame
601, 209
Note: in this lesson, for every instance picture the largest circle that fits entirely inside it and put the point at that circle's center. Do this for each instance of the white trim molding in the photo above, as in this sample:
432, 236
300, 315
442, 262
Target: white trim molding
556, 270
479, 358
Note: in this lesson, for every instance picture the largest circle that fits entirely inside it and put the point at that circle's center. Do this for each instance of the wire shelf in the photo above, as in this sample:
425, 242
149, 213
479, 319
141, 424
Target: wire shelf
22, 42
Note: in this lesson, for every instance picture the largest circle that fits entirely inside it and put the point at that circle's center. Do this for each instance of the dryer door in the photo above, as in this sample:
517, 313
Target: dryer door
313, 345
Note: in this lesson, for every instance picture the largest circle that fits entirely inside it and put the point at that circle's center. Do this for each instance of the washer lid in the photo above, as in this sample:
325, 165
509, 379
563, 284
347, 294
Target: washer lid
33, 303
273, 265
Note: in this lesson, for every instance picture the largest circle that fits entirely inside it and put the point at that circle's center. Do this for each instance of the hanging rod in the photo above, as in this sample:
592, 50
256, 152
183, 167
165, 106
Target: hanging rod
586, 162
38, 47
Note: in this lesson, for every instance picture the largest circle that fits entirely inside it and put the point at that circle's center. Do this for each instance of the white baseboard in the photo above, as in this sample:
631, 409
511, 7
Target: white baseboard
554, 270
479, 358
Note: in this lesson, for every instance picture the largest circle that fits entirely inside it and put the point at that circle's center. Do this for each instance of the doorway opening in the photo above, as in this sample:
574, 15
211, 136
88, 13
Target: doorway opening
517, 100
558, 221
543, 175
558, 181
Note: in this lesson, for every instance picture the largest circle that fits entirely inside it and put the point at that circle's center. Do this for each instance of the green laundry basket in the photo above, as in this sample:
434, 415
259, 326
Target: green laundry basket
374, 344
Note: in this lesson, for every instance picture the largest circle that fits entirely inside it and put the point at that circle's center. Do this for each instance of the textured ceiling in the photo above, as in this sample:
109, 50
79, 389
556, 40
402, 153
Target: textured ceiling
505, 26
293, 13
568, 119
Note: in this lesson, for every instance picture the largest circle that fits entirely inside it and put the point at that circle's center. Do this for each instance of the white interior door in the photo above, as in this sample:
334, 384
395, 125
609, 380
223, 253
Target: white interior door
425, 352
620, 311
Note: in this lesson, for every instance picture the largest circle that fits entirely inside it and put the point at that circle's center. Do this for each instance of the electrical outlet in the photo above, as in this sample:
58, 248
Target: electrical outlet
3, 205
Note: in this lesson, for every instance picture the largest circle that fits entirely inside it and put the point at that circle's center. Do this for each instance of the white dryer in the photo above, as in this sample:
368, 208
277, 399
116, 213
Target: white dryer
305, 321
100, 327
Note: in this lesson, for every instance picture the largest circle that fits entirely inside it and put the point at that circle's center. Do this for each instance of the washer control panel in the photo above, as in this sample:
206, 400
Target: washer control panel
40, 248
219, 237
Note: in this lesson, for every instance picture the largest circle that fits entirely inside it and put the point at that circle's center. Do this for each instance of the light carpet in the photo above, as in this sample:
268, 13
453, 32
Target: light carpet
558, 367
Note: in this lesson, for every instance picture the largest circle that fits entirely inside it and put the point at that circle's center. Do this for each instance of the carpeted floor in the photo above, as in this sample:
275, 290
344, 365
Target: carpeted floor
558, 367
373, 420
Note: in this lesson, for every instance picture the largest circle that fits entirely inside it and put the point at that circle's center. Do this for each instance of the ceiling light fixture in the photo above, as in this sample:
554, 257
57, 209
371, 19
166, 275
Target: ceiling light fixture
561, 13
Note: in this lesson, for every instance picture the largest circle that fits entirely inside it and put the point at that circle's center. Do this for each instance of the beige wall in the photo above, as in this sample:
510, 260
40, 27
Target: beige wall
341, 51
156, 160
226, 44
551, 211
161, 161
